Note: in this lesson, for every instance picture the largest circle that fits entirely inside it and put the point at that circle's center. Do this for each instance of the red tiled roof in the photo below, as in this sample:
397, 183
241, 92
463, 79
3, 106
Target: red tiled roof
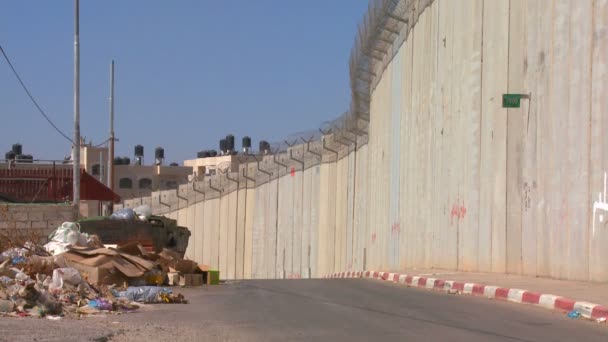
50, 184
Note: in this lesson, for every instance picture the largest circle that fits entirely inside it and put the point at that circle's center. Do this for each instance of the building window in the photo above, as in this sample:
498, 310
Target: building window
96, 170
145, 183
125, 183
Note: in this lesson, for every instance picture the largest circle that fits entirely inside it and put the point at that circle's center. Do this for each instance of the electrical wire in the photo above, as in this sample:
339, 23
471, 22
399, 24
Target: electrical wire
30, 95
102, 143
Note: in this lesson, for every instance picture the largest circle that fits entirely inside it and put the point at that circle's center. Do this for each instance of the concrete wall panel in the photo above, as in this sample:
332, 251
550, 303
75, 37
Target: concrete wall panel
296, 241
249, 224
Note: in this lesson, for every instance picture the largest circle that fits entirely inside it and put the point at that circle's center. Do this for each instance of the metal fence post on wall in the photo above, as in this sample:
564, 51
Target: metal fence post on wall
220, 191
227, 174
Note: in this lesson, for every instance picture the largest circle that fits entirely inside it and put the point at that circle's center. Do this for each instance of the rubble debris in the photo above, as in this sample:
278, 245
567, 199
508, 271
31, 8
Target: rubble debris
74, 275
150, 294
66, 235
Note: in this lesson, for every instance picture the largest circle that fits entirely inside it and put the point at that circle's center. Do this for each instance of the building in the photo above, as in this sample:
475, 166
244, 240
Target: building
132, 181
207, 166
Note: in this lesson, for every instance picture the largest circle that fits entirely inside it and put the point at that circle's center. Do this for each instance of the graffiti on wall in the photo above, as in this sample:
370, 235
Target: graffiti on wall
458, 211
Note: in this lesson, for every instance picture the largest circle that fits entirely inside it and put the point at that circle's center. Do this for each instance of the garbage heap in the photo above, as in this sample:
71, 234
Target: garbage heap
75, 275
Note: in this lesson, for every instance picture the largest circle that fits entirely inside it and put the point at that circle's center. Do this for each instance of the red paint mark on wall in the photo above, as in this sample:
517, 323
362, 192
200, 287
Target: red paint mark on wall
293, 171
459, 211
373, 237
396, 227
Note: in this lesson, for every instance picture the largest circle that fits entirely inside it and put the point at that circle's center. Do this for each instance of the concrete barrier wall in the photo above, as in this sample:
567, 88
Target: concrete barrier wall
445, 177
293, 216
481, 187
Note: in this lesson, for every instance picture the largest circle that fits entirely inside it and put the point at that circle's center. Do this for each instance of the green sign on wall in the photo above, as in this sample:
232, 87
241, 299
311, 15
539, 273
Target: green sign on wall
511, 100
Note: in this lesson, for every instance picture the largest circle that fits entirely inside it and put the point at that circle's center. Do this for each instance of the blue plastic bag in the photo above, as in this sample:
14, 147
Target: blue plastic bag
142, 294
574, 314
124, 214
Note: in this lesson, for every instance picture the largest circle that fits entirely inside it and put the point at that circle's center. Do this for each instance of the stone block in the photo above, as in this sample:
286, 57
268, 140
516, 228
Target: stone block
35, 215
53, 224
59, 215
23, 224
40, 224
7, 225
20, 215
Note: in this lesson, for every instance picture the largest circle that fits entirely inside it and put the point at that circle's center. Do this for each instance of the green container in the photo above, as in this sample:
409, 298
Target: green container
213, 277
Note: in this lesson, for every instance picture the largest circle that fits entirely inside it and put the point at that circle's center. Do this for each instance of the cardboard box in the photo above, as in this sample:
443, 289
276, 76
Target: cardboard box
191, 280
173, 278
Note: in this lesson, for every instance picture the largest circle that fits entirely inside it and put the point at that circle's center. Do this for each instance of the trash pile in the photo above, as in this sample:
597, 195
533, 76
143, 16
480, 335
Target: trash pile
76, 275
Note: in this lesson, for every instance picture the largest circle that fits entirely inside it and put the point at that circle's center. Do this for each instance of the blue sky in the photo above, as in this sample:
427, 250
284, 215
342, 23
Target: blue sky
187, 72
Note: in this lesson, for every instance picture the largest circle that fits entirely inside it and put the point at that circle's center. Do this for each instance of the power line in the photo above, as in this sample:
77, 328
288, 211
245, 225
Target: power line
30, 95
102, 143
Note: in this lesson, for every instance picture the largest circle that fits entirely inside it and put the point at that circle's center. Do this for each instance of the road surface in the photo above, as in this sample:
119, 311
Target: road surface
317, 310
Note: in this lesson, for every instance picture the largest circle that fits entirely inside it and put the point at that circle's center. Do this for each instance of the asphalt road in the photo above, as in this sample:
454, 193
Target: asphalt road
316, 310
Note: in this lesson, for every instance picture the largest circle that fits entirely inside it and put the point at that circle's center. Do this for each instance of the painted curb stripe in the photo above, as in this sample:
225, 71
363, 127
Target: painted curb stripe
599, 312
458, 286
502, 293
549, 301
564, 304
439, 284
531, 298
478, 289
515, 295
490, 291
422, 282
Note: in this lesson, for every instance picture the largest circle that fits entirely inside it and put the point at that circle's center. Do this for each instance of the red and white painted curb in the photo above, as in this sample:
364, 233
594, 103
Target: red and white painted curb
549, 301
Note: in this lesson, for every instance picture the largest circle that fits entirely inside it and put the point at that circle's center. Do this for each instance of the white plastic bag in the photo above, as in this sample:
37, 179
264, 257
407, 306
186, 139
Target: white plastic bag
143, 212
68, 234
62, 276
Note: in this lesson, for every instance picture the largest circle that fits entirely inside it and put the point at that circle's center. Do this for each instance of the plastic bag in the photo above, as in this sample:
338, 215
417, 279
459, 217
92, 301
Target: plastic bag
143, 212
143, 294
123, 214
62, 276
68, 234
101, 304
574, 314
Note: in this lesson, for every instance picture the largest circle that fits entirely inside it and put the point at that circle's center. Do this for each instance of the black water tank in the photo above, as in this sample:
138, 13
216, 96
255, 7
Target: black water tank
117, 161
264, 146
246, 142
174, 164
230, 142
200, 154
126, 161
159, 153
17, 149
213, 153
10, 155
28, 158
223, 144
139, 151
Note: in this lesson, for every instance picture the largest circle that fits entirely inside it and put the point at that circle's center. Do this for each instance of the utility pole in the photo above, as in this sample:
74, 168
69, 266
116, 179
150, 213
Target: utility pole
76, 142
111, 152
